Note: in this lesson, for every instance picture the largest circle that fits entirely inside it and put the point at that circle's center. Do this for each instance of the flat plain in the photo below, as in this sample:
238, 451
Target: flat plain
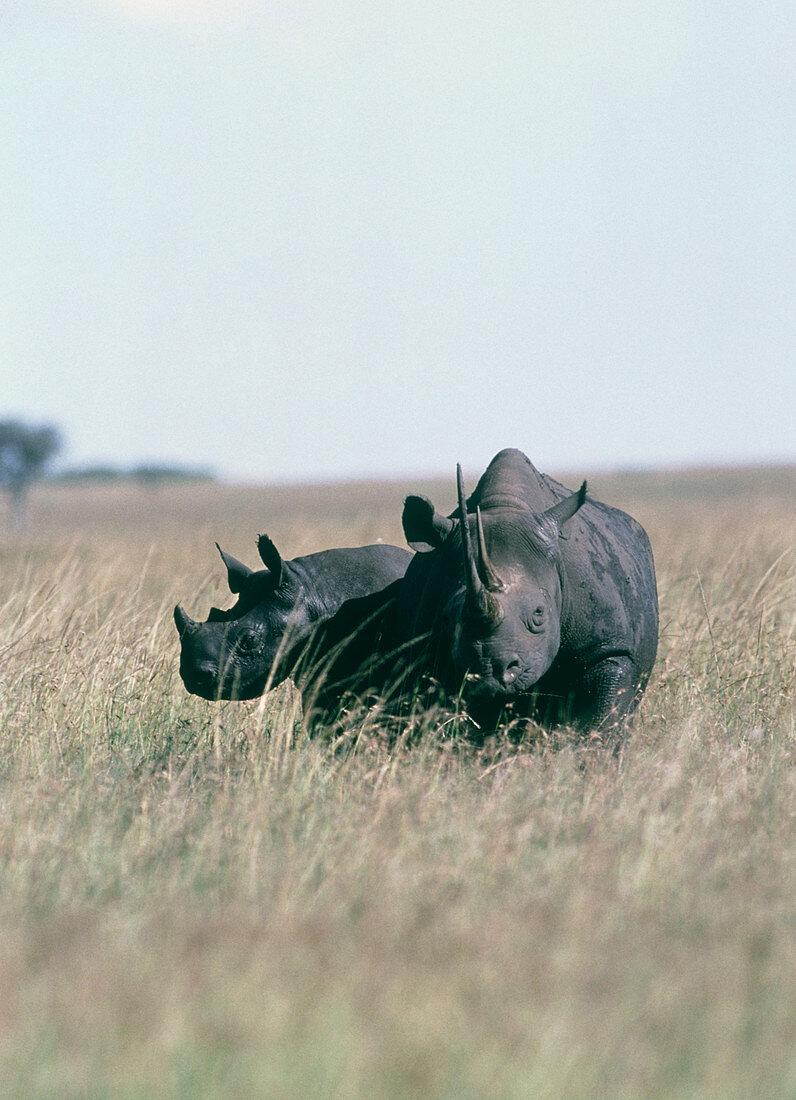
197, 900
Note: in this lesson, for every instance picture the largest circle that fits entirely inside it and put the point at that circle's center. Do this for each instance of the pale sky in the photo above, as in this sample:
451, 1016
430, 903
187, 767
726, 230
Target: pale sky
326, 239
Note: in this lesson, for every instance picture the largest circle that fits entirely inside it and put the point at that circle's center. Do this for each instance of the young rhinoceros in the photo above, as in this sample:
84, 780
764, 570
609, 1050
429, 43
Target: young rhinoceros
240, 653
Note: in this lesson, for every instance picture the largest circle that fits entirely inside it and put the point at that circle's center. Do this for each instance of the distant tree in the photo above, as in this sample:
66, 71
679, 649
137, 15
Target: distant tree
152, 476
149, 475
25, 451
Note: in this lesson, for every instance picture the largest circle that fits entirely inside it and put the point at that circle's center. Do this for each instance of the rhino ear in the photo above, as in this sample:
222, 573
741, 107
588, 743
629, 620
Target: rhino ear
566, 508
424, 528
271, 558
237, 572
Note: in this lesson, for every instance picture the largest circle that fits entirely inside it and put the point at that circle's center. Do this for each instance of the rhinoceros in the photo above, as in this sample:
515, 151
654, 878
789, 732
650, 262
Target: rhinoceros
542, 604
242, 652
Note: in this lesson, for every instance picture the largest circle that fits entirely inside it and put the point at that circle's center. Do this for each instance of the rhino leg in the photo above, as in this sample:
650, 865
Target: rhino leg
608, 693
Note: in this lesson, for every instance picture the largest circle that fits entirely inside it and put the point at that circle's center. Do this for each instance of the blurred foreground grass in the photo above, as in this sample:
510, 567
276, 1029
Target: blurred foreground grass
195, 901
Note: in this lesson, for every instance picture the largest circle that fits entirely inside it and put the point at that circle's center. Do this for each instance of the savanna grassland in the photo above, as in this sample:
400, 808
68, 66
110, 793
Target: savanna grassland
198, 901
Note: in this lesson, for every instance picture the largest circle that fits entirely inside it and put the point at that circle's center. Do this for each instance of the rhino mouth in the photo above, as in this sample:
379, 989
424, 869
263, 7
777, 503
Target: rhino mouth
206, 683
500, 679
490, 687
214, 692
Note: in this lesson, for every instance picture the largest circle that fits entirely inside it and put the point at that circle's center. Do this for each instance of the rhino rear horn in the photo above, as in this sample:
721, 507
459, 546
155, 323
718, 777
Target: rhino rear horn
237, 572
271, 558
482, 606
486, 570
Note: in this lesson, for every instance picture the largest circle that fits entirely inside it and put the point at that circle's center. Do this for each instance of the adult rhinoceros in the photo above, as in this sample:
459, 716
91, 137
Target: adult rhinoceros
280, 612
542, 604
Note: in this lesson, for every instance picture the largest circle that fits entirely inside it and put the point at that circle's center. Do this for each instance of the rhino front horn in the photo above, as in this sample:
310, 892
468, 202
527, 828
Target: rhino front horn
183, 621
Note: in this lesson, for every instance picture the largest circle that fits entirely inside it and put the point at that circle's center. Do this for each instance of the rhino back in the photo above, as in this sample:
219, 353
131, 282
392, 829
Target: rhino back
330, 577
610, 600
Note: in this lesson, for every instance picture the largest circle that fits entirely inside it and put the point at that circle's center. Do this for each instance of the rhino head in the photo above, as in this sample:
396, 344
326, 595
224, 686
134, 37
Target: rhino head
495, 587
239, 653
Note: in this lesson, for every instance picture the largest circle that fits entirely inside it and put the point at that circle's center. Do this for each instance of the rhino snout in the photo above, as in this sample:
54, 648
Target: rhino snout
201, 679
506, 672
501, 676
206, 670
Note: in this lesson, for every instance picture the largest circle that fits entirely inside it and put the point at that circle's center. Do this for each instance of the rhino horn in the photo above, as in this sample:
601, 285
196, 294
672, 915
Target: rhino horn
237, 572
486, 570
183, 621
481, 605
271, 558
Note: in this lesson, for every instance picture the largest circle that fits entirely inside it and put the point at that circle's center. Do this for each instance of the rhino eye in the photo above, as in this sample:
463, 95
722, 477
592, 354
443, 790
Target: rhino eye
537, 618
247, 643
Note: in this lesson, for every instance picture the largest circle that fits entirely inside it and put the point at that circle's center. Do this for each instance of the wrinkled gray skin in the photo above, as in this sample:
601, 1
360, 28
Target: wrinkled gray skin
242, 652
552, 613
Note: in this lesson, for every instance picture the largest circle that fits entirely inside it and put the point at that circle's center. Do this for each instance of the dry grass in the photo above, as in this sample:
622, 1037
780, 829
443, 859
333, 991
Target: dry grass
195, 901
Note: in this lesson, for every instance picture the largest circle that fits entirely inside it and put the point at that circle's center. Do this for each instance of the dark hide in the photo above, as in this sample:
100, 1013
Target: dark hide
243, 652
552, 614
355, 657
